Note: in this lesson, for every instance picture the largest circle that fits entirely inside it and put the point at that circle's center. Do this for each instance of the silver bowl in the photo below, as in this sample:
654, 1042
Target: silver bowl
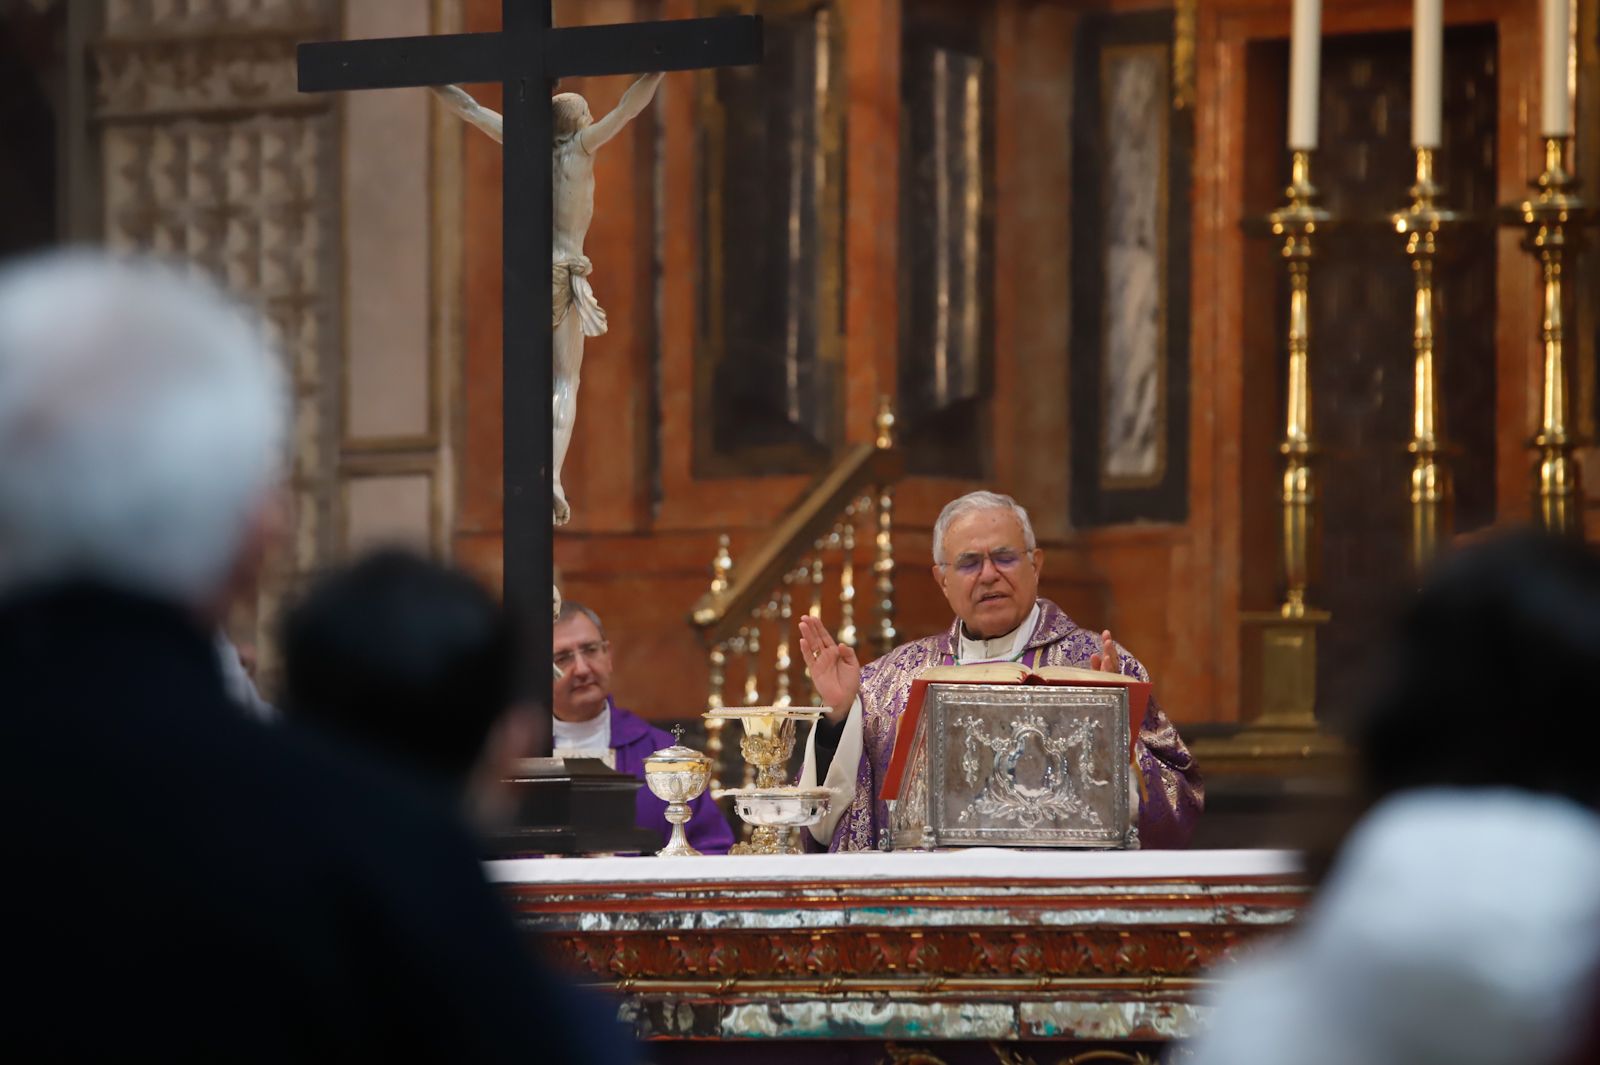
784, 807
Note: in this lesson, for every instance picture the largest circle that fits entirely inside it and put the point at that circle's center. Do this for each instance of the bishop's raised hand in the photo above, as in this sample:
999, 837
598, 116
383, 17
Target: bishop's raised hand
1107, 660
834, 668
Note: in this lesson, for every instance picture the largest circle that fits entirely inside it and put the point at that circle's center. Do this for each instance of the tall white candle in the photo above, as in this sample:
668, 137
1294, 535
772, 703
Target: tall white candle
1556, 110
1305, 61
1427, 73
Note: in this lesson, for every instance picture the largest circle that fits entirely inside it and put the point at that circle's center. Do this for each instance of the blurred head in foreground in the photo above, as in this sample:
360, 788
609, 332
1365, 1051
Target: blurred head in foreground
418, 662
141, 416
1487, 670
1460, 922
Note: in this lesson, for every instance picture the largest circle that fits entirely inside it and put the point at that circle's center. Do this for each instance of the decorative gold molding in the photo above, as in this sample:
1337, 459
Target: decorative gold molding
1006, 1056
927, 960
1185, 28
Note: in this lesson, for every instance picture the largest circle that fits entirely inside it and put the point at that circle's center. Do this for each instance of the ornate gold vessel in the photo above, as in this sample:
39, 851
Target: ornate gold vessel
773, 806
678, 775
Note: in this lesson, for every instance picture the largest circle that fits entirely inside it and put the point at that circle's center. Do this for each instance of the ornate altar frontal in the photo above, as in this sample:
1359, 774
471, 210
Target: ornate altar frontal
870, 953
1017, 766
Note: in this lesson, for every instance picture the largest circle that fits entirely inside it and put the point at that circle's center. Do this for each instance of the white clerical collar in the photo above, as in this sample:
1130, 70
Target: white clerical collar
1006, 648
585, 739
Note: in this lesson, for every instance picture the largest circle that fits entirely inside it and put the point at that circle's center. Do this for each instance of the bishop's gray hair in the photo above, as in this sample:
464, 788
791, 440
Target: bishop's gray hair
979, 501
142, 413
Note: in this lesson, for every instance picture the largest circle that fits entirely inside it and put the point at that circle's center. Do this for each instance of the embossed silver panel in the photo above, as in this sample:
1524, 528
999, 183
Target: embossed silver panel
1017, 766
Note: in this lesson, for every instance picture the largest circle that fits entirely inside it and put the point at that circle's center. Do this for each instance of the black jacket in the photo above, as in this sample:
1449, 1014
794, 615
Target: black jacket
182, 882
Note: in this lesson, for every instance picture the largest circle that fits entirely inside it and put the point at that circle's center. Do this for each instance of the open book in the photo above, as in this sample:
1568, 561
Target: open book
1004, 673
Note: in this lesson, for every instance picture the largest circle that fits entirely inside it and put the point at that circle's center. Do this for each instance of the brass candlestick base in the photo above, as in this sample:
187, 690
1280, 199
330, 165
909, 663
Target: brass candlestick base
1285, 736
772, 807
1554, 218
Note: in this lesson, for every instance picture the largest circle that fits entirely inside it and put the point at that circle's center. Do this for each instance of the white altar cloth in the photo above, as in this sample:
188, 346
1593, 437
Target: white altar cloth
976, 864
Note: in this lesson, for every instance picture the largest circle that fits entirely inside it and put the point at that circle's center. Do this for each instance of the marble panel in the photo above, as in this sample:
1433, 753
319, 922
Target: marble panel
387, 511
1134, 102
386, 243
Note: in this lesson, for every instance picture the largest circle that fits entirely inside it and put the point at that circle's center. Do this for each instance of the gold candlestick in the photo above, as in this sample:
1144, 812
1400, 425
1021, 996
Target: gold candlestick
1554, 218
1431, 493
1296, 223
1281, 664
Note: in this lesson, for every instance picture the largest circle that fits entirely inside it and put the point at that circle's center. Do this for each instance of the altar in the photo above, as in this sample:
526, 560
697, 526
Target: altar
933, 957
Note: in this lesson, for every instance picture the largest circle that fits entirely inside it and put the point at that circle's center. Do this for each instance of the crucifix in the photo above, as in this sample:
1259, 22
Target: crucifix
527, 55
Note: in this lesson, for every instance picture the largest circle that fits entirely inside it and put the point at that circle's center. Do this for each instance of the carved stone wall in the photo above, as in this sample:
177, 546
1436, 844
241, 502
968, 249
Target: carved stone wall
209, 153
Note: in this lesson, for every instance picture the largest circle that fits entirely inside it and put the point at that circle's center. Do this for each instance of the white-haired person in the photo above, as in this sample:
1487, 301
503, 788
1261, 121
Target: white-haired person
987, 563
186, 883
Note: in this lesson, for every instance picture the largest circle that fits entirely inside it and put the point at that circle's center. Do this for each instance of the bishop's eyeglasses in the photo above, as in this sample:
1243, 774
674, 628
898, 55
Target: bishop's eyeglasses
970, 563
589, 651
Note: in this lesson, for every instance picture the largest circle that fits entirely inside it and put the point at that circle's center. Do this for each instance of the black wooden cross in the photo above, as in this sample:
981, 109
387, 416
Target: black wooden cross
527, 56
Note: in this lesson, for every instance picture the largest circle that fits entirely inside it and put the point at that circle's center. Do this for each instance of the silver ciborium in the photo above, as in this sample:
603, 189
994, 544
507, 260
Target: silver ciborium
678, 775
776, 813
772, 807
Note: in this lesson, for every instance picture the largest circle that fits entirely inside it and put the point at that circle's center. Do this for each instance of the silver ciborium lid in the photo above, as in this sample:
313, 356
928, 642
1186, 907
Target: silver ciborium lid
677, 775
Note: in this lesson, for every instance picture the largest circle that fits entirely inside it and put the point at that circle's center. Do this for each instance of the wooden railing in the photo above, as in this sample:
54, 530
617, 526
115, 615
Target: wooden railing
747, 618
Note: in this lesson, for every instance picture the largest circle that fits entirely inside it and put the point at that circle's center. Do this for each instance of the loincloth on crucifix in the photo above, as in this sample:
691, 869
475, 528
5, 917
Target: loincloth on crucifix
570, 291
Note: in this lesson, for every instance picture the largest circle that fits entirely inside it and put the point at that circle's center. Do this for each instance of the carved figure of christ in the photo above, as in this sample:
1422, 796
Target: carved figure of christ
526, 55
575, 313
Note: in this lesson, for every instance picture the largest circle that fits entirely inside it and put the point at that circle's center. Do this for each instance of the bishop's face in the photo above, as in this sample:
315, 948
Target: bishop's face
988, 574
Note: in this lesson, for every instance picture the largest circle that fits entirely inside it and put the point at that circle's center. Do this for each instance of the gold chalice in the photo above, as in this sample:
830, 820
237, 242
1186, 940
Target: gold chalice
773, 806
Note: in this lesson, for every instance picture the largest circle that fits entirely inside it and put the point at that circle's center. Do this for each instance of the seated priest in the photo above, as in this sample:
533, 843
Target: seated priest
987, 564
588, 724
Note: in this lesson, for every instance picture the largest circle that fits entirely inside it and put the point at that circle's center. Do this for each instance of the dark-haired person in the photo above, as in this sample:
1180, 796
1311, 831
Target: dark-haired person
417, 662
1460, 922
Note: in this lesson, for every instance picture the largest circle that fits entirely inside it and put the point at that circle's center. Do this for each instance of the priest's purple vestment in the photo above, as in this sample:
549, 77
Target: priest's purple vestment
1172, 794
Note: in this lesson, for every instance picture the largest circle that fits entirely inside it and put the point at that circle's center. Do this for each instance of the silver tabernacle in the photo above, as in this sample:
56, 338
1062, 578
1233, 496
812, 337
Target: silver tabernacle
1017, 766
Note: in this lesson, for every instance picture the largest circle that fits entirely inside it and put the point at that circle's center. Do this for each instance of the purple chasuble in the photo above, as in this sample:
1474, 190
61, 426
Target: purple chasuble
634, 740
1173, 794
